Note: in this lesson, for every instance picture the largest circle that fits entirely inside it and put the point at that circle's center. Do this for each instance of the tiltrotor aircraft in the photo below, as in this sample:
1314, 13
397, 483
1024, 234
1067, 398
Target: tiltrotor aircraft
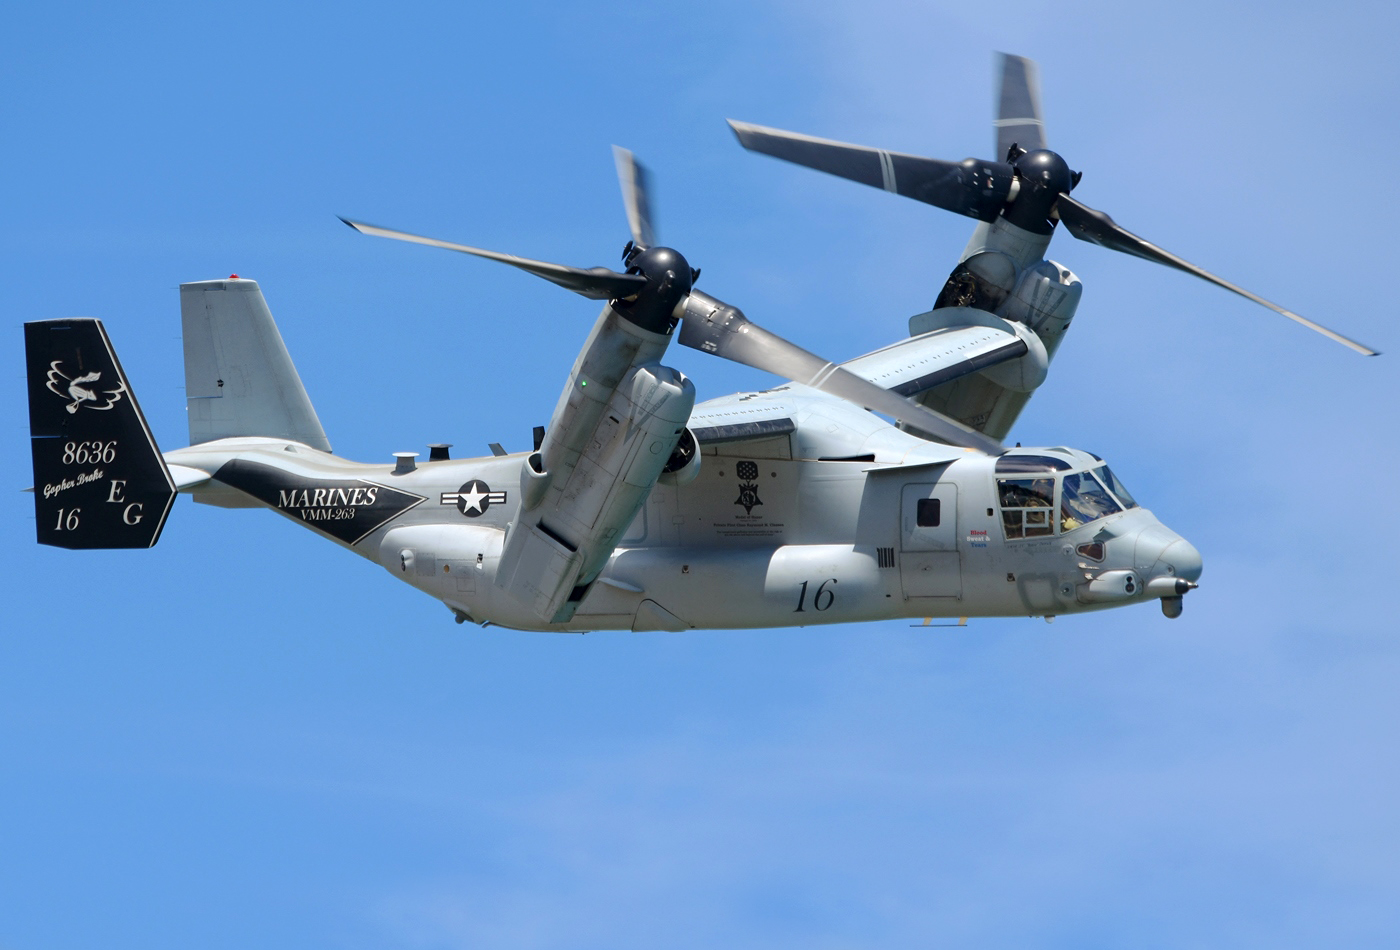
637, 508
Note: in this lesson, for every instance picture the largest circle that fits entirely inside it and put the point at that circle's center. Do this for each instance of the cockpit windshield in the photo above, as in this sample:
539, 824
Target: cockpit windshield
1106, 476
1028, 505
1082, 500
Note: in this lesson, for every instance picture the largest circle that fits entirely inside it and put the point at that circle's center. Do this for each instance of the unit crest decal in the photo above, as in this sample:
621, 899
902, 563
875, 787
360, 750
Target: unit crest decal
80, 394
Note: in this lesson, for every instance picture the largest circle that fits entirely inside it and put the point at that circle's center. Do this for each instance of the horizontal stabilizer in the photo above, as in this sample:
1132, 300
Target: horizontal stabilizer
99, 480
239, 377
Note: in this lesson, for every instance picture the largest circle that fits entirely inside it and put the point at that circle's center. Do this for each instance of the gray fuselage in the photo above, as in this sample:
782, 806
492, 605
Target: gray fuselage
844, 518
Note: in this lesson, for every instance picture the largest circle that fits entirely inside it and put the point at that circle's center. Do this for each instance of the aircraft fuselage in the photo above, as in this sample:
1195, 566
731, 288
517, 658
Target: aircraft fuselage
767, 533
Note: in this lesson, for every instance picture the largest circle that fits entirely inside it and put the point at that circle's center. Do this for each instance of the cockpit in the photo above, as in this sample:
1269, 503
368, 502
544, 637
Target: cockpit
1044, 495
1053, 493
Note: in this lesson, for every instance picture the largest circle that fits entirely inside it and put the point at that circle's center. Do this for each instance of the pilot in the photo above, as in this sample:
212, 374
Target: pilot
1027, 492
1083, 500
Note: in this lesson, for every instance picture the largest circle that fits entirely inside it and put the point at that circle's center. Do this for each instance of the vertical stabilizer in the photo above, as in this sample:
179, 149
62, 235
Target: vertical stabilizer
239, 377
99, 479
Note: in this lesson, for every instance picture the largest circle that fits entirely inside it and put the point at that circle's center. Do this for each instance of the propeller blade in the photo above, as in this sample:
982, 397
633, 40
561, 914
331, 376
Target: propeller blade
1018, 119
712, 326
972, 187
595, 283
633, 177
1098, 228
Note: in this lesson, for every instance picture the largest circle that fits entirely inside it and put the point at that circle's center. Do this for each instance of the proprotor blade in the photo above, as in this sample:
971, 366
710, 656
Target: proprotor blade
596, 283
712, 326
972, 187
1018, 120
1098, 228
636, 196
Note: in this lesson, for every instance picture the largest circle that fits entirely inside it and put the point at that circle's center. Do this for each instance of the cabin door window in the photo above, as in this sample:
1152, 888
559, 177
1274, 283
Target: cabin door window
929, 564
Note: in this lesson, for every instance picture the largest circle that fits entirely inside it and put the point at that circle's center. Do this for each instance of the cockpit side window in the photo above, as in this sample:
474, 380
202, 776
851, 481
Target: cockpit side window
1082, 500
1026, 506
1106, 476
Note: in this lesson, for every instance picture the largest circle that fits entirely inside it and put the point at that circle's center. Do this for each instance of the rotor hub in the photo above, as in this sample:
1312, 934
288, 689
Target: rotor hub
1042, 176
1044, 169
669, 280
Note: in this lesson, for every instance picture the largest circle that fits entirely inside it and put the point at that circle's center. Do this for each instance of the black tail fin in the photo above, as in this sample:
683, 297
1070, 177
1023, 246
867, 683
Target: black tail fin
99, 480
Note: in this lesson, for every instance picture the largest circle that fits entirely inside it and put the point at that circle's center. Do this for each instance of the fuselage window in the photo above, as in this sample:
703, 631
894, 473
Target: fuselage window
1026, 506
1082, 500
929, 512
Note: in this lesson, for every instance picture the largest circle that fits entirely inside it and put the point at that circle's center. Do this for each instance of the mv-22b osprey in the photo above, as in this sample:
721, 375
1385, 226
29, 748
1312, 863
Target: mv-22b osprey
637, 508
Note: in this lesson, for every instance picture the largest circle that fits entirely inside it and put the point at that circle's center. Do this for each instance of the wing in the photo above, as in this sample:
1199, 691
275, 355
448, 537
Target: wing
915, 366
966, 364
740, 418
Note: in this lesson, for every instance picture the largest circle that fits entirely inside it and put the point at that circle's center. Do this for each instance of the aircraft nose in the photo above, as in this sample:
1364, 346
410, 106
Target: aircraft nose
1164, 553
1184, 559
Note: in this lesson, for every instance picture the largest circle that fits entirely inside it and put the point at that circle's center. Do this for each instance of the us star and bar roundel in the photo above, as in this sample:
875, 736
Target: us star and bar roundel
473, 498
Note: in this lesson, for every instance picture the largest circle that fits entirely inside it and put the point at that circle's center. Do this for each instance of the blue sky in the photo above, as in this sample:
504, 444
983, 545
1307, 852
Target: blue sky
246, 737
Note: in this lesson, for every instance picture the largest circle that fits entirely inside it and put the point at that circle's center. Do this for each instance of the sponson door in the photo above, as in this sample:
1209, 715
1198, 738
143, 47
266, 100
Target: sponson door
929, 563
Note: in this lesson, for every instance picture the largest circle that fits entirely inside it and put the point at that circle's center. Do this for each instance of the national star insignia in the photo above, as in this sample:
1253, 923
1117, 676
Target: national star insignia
473, 498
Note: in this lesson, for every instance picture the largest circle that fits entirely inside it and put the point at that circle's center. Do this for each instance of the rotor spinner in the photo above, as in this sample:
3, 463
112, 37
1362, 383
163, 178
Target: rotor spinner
669, 278
1041, 177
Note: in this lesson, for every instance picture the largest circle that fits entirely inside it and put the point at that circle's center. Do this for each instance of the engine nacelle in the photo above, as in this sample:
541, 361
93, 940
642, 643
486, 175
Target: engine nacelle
584, 500
1045, 299
1025, 373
